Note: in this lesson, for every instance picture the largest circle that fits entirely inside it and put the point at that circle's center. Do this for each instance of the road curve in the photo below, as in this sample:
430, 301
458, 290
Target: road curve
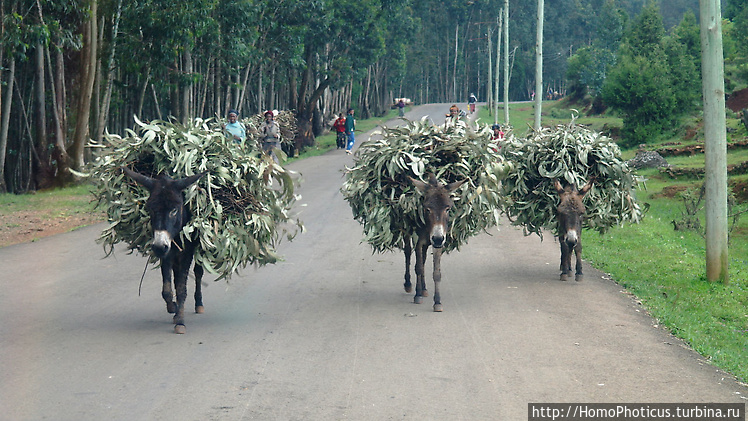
329, 334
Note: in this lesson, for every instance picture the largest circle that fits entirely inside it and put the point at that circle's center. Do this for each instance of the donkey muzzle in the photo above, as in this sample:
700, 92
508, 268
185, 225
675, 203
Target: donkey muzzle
161, 243
437, 236
571, 238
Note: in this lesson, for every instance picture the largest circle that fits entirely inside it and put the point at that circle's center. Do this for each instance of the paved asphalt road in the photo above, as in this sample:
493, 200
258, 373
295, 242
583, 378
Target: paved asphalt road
329, 334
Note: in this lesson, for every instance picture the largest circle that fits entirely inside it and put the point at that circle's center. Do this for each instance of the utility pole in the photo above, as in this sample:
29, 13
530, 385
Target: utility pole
713, 80
489, 86
539, 66
498, 56
506, 62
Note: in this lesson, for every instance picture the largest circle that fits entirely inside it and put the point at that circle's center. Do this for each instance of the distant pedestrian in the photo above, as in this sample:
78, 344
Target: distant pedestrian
234, 129
339, 127
471, 103
350, 128
270, 135
401, 107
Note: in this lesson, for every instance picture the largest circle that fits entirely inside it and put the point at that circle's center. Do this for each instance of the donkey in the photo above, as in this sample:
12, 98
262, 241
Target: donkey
570, 213
436, 205
168, 216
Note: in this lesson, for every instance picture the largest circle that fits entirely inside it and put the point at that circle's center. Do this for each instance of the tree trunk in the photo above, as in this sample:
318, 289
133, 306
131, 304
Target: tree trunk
5, 120
104, 110
87, 75
187, 88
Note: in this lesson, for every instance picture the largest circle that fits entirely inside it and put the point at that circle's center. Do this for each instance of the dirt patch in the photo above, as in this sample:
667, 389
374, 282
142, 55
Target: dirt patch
738, 100
740, 189
27, 226
670, 191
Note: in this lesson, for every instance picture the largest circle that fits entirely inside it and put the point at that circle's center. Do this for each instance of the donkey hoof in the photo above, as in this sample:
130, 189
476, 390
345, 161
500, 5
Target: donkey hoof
425, 293
564, 277
171, 307
199, 309
579, 277
418, 299
408, 288
180, 329
438, 308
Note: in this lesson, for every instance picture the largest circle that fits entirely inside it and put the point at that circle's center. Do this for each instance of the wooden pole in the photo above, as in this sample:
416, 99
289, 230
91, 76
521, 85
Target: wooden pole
506, 62
715, 140
539, 66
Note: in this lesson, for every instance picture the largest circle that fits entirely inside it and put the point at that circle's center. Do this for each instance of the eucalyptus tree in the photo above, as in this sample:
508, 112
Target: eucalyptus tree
30, 30
340, 37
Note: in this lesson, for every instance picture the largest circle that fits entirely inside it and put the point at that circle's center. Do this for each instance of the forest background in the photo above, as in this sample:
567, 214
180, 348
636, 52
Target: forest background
73, 69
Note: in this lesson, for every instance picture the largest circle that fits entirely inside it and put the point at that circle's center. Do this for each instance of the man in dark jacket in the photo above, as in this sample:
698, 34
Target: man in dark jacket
350, 127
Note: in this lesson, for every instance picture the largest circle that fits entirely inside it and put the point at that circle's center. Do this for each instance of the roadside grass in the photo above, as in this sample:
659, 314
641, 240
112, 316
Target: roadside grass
51, 203
522, 117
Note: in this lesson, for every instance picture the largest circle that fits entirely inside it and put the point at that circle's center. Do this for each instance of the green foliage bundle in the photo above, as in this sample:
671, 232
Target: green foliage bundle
385, 202
286, 121
239, 208
573, 154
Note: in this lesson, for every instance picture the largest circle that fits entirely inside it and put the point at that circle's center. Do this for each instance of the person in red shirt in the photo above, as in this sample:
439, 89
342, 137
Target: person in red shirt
339, 127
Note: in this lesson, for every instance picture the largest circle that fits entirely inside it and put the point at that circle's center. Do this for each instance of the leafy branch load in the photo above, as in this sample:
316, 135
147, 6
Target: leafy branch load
572, 154
286, 121
387, 205
240, 209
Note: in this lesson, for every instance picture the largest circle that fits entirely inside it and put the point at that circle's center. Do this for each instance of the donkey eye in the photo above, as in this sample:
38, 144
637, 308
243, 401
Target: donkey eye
173, 213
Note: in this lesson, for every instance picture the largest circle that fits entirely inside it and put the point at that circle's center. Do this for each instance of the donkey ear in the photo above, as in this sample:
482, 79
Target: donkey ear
455, 185
558, 186
141, 179
586, 187
420, 185
183, 183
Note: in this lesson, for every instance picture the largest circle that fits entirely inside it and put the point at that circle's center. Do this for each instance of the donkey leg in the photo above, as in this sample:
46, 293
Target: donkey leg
199, 288
424, 289
181, 270
166, 291
578, 254
408, 250
420, 261
565, 261
437, 279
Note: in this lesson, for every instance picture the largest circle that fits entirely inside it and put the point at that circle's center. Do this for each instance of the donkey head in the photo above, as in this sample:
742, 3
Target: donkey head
570, 211
436, 205
165, 206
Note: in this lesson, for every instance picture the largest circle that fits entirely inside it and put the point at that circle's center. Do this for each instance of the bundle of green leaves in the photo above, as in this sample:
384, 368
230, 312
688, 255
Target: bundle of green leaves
286, 121
388, 206
572, 154
240, 209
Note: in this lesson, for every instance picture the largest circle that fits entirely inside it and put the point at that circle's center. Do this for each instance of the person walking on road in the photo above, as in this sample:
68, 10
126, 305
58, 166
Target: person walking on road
270, 135
350, 127
401, 107
471, 103
339, 127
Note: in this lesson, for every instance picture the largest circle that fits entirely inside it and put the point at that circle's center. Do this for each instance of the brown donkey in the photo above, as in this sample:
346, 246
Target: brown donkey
436, 204
570, 213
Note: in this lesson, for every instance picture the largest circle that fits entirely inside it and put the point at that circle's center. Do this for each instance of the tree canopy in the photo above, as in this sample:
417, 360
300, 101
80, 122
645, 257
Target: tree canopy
71, 69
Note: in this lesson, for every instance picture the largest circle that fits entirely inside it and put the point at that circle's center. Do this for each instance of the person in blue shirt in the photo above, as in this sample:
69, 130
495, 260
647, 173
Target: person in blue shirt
234, 129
